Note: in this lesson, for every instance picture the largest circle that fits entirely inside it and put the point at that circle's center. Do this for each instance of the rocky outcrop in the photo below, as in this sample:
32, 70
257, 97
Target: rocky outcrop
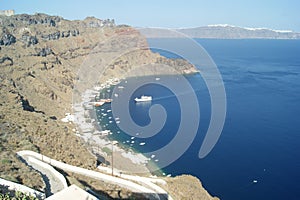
44, 51
187, 187
26, 105
179, 64
38, 19
58, 34
7, 60
29, 40
51, 36
70, 33
7, 38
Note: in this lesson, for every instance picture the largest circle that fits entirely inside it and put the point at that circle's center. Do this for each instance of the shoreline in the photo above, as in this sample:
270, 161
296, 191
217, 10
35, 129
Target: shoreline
126, 159
101, 146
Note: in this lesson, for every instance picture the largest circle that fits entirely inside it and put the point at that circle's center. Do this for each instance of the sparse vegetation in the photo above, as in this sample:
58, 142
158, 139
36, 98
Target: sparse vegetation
6, 194
107, 150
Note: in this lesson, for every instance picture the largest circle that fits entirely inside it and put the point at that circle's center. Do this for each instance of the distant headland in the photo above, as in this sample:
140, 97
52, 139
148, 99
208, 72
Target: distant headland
225, 31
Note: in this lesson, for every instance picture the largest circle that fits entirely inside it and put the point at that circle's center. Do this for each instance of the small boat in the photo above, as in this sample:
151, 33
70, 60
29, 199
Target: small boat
143, 98
142, 143
105, 100
97, 104
105, 132
98, 88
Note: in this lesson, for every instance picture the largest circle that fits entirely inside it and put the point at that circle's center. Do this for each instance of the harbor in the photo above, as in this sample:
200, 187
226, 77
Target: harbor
95, 102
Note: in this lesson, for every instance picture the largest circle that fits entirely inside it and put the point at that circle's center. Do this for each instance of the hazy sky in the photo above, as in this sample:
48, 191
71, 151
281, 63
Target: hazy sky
275, 14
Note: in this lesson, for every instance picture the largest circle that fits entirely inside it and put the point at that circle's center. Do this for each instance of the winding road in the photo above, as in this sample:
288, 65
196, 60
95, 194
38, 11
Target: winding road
143, 185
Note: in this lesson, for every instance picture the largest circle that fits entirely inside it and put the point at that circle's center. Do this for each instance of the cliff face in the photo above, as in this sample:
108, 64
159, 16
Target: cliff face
41, 58
43, 55
37, 70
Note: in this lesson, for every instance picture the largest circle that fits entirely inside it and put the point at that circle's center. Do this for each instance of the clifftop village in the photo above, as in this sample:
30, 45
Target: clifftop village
7, 12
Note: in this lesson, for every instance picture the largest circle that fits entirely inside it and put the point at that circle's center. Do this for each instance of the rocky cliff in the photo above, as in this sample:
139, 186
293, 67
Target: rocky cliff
40, 59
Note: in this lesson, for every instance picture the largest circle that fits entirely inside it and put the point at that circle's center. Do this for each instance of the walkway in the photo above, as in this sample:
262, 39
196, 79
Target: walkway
144, 186
54, 181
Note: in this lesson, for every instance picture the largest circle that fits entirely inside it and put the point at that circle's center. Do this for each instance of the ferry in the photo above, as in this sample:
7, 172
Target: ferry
143, 98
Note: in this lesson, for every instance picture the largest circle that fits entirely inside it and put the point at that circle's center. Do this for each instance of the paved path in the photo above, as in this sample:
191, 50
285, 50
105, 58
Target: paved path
145, 186
53, 183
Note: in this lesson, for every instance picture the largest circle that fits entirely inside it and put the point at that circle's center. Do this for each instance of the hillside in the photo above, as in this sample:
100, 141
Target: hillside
41, 57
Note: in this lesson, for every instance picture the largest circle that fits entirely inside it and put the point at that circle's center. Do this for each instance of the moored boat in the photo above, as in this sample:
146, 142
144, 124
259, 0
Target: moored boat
143, 98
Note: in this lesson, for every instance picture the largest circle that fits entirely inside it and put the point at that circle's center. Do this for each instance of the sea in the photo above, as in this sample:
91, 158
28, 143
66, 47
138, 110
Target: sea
258, 153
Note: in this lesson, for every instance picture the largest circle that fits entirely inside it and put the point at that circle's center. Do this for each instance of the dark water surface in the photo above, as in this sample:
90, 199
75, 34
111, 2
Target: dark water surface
261, 137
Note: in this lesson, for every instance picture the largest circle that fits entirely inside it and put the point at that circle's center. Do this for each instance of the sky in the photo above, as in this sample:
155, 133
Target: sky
273, 14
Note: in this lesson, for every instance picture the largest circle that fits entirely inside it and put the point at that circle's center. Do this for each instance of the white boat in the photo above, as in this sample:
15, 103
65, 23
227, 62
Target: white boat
105, 132
97, 88
143, 98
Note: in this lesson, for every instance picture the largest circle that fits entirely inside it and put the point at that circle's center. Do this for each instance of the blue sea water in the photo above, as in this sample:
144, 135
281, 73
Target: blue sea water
261, 136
